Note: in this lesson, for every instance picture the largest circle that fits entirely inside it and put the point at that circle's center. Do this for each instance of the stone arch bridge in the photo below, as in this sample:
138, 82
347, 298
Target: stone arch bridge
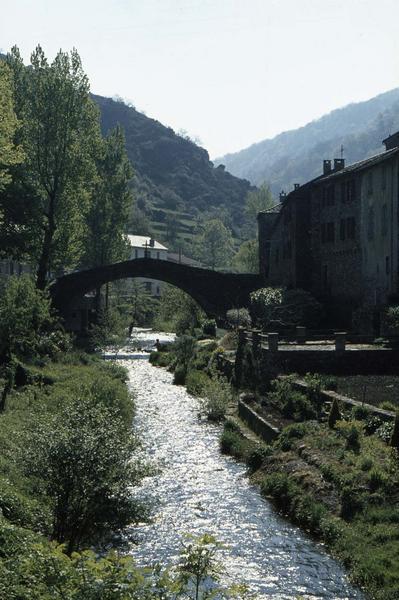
214, 291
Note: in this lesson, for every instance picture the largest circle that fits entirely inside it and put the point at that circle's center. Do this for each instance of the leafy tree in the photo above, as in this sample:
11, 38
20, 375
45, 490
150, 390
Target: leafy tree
256, 201
214, 245
25, 318
105, 242
83, 458
59, 136
284, 308
178, 311
247, 258
10, 154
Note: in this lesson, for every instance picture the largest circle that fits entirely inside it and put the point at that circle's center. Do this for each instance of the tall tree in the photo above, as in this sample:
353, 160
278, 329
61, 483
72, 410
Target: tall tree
256, 201
10, 153
108, 215
247, 258
60, 137
214, 245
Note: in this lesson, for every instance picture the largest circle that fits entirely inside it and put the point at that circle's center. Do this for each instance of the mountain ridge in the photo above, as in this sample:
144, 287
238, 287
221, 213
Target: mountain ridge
296, 155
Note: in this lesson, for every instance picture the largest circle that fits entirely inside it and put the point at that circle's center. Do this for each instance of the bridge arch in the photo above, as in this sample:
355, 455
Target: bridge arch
215, 292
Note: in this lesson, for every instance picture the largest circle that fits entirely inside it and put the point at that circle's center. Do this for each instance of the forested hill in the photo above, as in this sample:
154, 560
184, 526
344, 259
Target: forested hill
296, 156
174, 177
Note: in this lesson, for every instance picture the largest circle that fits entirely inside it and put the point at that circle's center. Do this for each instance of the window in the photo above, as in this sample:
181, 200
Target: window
327, 233
370, 223
158, 255
384, 220
136, 253
387, 265
342, 229
350, 228
351, 190
11, 268
277, 256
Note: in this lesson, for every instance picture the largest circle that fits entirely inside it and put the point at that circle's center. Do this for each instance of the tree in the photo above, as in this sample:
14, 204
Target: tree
334, 415
10, 153
25, 318
83, 457
105, 242
258, 200
247, 258
60, 137
178, 311
214, 245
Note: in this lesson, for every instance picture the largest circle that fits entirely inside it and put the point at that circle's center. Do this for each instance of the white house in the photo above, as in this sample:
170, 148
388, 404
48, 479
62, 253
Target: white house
146, 247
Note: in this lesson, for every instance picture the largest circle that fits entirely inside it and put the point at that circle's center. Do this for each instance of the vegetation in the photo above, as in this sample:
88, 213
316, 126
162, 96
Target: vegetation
214, 245
295, 155
178, 312
284, 308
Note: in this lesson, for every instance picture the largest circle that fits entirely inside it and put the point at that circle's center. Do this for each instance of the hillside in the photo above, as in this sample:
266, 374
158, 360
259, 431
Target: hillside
296, 156
175, 182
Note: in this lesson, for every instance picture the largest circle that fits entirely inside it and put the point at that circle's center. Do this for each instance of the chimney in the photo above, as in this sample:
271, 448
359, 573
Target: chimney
296, 186
283, 196
326, 167
339, 163
392, 141
152, 242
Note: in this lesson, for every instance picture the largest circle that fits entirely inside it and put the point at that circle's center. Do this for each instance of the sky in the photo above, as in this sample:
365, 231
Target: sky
228, 72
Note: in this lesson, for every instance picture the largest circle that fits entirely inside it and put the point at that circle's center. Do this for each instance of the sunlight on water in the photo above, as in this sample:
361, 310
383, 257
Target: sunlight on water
198, 490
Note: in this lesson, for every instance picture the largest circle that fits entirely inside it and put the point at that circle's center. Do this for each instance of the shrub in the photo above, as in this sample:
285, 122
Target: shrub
372, 424
366, 463
183, 349
281, 488
233, 443
394, 441
351, 502
297, 406
360, 413
216, 397
285, 307
258, 456
335, 414
179, 377
209, 327
350, 430
290, 433
196, 381
238, 317
377, 479
386, 405
83, 457
385, 432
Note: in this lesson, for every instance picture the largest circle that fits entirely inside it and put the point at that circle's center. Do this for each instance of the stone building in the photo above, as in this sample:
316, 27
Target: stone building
337, 236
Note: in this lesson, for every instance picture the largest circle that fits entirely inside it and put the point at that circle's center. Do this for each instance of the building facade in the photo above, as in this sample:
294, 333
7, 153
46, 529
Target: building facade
146, 247
337, 236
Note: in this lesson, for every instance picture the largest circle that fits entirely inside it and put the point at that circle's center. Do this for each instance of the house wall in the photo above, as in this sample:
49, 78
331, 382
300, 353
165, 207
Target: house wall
152, 286
379, 231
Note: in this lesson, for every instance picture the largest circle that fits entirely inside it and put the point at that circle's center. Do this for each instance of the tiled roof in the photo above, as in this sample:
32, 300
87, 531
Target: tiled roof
142, 241
362, 164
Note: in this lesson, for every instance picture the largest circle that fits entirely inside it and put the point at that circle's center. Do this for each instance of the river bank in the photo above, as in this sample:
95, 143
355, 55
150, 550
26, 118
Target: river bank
198, 490
339, 483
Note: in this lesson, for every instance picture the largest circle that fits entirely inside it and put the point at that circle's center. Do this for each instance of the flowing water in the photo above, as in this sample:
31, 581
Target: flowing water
198, 490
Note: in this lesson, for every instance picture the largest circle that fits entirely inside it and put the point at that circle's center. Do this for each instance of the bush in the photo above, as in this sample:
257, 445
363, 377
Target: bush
386, 405
196, 381
209, 327
26, 322
258, 456
83, 459
377, 479
238, 317
366, 463
233, 443
216, 397
394, 441
286, 308
351, 502
335, 414
290, 433
360, 413
179, 377
351, 433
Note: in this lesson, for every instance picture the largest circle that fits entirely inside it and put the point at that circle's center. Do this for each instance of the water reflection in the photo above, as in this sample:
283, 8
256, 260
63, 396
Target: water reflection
198, 490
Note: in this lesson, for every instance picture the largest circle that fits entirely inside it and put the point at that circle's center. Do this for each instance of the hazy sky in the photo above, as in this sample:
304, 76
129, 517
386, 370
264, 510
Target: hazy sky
231, 72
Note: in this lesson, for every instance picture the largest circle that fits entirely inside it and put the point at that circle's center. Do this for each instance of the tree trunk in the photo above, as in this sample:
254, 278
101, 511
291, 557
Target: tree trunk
44, 261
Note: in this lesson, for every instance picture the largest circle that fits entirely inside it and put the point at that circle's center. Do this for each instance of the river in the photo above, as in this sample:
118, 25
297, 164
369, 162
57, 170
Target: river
198, 490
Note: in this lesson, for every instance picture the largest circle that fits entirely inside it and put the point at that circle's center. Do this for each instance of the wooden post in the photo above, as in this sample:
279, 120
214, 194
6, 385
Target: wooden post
300, 335
340, 341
